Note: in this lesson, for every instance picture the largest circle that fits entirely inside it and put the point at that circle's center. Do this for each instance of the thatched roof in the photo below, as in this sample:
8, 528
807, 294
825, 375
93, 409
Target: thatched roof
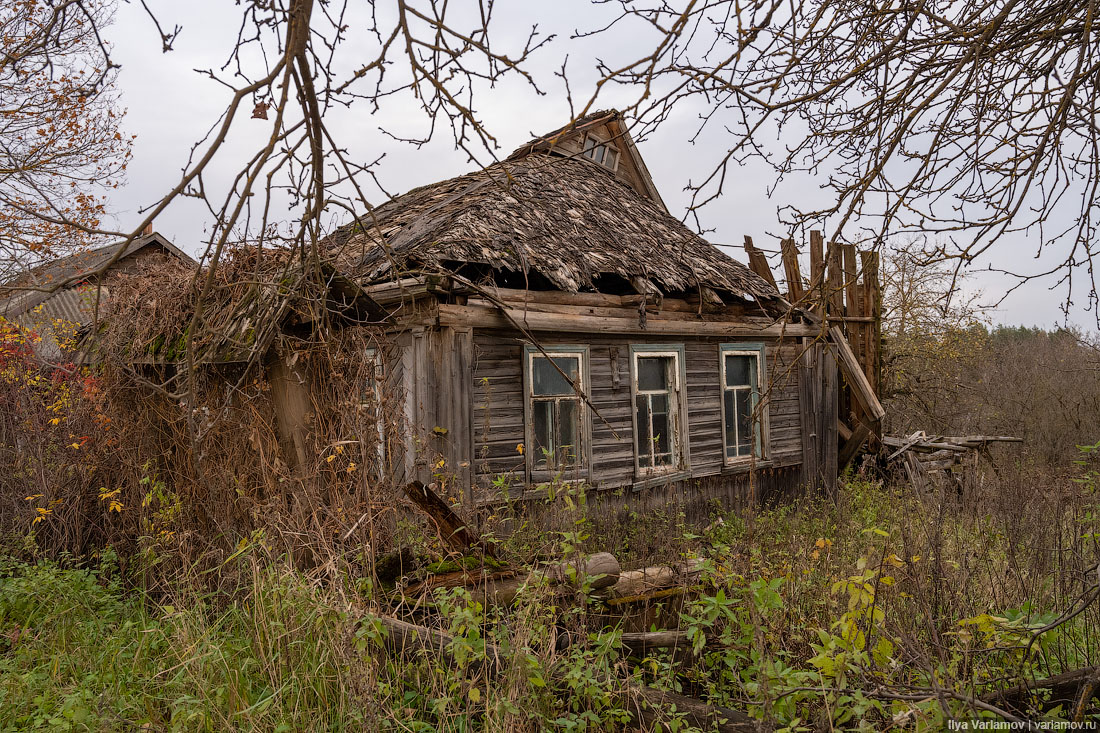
565, 218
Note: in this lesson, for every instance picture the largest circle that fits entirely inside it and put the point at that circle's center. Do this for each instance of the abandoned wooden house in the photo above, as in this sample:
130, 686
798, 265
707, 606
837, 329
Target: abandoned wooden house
543, 321
63, 294
546, 319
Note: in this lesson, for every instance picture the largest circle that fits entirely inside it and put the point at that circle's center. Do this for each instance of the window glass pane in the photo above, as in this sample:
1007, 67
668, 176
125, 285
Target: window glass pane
546, 380
738, 370
730, 422
611, 158
744, 422
543, 420
661, 427
567, 443
653, 372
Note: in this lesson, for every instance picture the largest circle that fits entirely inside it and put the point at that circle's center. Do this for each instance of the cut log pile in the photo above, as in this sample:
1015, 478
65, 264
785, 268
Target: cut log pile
927, 458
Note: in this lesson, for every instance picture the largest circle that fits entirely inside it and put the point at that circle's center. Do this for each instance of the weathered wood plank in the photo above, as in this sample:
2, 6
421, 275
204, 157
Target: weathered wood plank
795, 287
857, 380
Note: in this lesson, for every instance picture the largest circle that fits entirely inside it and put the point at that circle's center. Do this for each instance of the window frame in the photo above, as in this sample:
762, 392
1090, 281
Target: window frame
759, 403
584, 431
600, 141
681, 464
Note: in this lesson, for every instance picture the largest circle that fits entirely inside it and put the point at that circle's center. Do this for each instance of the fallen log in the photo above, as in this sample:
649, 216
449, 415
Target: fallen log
1064, 688
695, 712
648, 704
642, 642
659, 577
600, 571
450, 527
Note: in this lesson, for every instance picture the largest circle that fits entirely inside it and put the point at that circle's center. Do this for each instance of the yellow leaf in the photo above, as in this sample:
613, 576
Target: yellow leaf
519, 448
330, 459
75, 446
475, 695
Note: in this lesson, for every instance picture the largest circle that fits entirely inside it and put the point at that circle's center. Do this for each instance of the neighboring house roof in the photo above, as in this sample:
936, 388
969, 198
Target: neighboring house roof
69, 302
32, 302
566, 218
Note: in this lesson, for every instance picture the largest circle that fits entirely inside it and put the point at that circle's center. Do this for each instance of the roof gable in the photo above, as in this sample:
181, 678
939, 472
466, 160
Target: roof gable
608, 128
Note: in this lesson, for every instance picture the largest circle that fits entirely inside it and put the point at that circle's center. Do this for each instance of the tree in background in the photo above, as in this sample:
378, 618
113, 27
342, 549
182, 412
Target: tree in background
947, 371
969, 121
934, 327
61, 146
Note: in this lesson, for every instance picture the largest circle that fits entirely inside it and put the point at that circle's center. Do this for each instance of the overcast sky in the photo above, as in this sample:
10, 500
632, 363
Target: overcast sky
170, 105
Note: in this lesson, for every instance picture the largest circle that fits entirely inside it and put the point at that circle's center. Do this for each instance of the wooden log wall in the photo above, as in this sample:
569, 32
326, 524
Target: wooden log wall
498, 402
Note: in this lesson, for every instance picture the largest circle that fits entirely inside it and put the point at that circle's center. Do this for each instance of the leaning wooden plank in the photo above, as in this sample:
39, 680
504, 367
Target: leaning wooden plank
857, 380
844, 430
450, 527
758, 263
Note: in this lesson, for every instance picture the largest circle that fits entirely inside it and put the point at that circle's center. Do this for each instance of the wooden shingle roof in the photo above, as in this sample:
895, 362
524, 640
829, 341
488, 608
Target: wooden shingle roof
563, 217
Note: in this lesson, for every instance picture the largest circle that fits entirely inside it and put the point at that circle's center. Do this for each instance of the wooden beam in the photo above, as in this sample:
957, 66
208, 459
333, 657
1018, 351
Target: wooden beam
857, 380
844, 430
627, 311
853, 444
491, 317
758, 263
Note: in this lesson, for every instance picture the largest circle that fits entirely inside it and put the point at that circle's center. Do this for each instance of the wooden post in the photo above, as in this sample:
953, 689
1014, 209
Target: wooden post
871, 272
795, 289
834, 276
852, 330
817, 270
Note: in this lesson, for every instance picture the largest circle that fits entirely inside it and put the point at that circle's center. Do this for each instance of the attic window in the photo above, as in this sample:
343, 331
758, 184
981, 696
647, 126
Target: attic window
600, 151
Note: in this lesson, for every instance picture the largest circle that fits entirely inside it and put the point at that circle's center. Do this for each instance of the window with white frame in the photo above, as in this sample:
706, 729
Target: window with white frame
555, 410
370, 403
658, 422
600, 151
741, 368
